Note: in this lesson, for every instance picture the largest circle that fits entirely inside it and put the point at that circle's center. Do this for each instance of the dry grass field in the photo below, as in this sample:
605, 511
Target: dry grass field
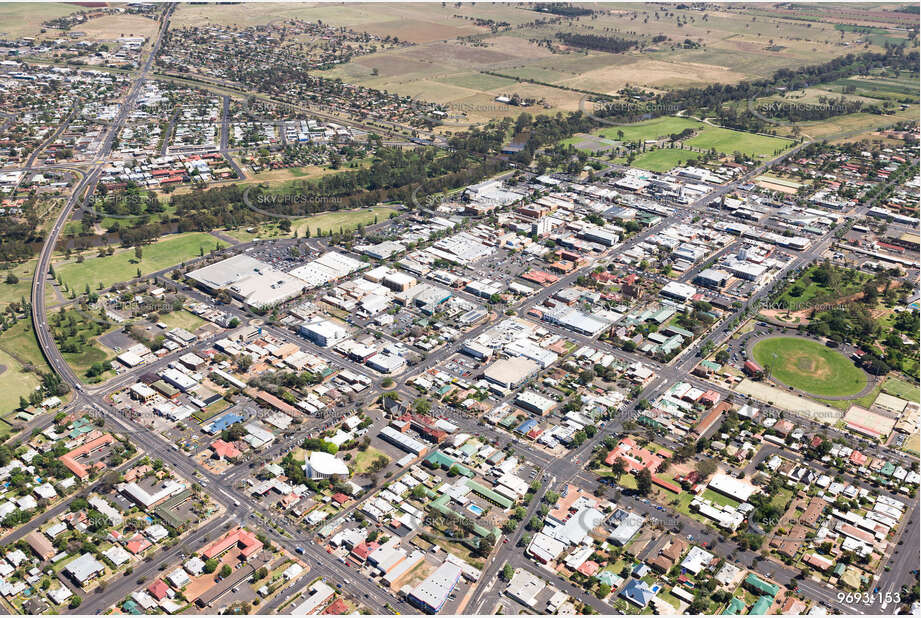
728, 43
25, 19
111, 27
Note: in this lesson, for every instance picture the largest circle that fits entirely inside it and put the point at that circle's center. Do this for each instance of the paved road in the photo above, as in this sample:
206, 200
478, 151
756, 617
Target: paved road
560, 470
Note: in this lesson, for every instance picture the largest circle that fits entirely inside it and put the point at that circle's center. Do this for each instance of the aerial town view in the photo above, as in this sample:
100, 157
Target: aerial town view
459, 308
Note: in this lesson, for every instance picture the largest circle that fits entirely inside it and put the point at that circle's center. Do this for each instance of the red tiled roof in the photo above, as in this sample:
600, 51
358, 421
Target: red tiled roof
225, 450
158, 589
70, 459
235, 537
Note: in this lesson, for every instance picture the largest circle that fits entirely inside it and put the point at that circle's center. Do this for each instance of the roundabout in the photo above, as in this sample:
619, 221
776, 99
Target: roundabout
810, 367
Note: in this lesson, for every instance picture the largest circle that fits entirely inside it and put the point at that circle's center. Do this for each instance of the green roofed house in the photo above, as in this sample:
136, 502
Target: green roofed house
441, 505
710, 365
495, 498
676, 330
888, 469
439, 460
736, 606
761, 606
758, 585
470, 448
509, 420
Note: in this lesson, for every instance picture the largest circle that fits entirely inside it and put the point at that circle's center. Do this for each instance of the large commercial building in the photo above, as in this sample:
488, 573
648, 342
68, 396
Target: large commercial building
323, 332
510, 373
433, 592
249, 280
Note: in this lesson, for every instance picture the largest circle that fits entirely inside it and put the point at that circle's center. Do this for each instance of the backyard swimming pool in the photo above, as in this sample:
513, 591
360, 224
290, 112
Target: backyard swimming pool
475, 509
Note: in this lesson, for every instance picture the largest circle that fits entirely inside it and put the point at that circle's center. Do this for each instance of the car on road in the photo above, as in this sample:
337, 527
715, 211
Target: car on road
299, 549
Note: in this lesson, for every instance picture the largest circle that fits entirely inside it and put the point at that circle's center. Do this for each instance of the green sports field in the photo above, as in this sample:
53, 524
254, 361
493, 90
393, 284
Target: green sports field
728, 141
123, 266
809, 366
651, 129
662, 159
707, 137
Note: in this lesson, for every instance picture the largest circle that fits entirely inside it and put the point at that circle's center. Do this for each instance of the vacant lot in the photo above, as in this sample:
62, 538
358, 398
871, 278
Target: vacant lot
791, 402
182, 319
111, 27
123, 265
809, 366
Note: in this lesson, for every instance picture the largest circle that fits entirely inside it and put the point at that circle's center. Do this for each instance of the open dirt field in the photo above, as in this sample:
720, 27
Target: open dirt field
790, 402
111, 27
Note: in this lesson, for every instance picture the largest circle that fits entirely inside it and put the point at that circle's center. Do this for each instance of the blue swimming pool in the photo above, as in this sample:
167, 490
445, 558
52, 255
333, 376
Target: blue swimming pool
475, 509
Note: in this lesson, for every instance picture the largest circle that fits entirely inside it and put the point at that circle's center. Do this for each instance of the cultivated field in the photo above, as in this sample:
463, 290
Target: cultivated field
809, 366
736, 42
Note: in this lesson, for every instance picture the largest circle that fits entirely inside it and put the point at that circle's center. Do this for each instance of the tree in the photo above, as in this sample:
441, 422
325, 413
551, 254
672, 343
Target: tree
138, 252
619, 468
644, 481
508, 572
706, 467
226, 570
210, 565
75, 602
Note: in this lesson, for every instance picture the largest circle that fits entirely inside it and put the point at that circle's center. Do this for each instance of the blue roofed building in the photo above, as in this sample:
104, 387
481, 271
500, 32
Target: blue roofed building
638, 592
220, 424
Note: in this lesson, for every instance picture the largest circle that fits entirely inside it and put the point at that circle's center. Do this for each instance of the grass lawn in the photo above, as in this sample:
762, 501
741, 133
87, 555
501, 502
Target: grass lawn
182, 319
14, 292
23, 20
20, 341
809, 366
900, 388
718, 498
651, 129
13, 382
808, 289
363, 459
913, 444
5, 430
782, 498
728, 141
347, 220
211, 411
93, 353
662, 159
123, 266
845, 404
18, 346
